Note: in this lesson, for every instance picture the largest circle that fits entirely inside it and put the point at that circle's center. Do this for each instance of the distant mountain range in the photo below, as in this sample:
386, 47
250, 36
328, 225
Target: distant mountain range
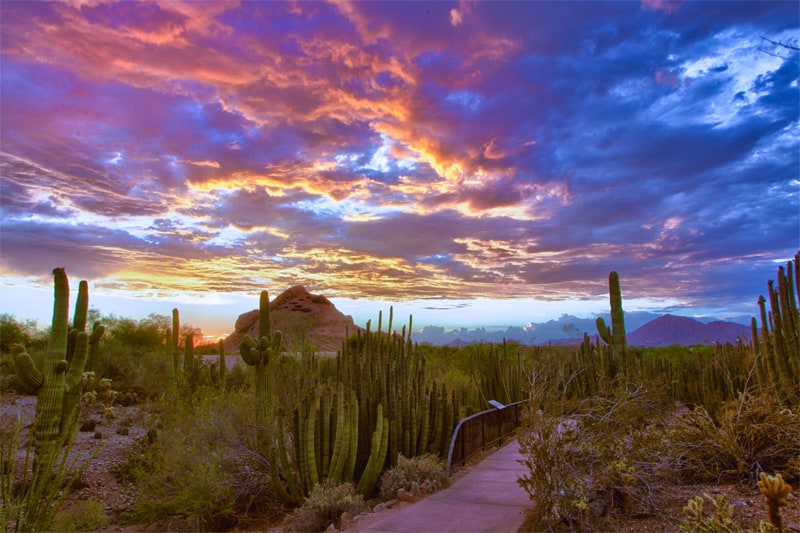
645, 329
314, 318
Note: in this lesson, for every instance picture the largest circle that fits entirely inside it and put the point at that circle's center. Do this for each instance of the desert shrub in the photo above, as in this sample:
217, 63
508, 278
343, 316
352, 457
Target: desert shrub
134, 371
602, 460
753, 433
324, 506
197, 463
237, 378
86, 515
425, 469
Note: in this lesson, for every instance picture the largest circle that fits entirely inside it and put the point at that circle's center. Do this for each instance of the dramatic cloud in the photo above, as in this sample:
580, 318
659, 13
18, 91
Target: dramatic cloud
402, 150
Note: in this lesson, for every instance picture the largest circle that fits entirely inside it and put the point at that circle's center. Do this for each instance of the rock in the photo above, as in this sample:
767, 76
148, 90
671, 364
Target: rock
345, 520
404, 496
89, 425
98, 435
297, 311
122, 431
331, 529
425, 488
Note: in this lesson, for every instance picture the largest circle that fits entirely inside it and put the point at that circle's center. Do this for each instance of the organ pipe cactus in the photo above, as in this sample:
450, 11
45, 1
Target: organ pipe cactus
57, 378
614, 337
377, 456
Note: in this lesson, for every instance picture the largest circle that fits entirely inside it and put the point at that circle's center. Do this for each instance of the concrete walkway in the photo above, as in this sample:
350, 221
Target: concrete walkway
487, 499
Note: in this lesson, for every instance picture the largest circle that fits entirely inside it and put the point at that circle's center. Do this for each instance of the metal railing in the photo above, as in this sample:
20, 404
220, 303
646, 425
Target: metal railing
478, 432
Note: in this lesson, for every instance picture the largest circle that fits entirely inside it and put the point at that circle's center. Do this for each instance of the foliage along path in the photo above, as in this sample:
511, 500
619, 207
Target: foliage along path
487, 499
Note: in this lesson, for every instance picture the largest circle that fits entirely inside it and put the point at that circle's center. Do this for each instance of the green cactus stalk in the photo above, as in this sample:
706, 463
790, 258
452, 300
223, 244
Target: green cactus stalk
312, 473
53, 382
189, 373
615, 337
222, 368
176, 335
341, 441
377, 456
73, 380
352, 453
93, 361
79, 319
258, 354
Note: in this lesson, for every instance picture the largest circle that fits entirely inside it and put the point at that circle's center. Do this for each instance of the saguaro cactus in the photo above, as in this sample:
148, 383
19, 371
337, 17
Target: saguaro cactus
57, 377
258, 354
615, 337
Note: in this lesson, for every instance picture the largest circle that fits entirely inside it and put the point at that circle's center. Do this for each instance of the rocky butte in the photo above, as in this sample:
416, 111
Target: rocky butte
301, 317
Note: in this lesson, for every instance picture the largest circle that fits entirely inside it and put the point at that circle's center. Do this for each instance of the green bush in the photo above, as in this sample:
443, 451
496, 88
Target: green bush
426, 470
198, 463
84, 516
324, 506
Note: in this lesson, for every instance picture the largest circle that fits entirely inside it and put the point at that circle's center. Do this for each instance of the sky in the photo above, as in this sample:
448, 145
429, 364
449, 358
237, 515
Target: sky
470, 163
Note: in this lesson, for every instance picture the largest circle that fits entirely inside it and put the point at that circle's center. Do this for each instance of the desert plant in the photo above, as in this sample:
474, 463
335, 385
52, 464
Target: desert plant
59, 380
424, 470
753, 433
614, 337
597, 462
197, 464
31, 496
719, 521
776, 491
325, 505
87, 515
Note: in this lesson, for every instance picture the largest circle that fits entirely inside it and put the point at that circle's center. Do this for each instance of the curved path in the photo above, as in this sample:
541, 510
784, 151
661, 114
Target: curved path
486, 499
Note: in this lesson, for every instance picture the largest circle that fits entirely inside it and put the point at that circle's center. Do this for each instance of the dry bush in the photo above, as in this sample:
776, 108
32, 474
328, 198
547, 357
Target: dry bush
753, 433
603, 460
425, 469
324, 506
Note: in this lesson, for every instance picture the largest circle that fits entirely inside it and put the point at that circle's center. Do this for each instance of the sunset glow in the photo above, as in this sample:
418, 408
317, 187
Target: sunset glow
486, 159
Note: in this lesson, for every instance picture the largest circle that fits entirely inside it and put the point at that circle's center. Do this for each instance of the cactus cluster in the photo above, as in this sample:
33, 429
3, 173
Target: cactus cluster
58, 382
352, 415
778, 345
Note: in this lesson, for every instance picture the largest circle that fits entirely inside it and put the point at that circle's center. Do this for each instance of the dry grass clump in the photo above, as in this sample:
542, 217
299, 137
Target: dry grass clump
751, 434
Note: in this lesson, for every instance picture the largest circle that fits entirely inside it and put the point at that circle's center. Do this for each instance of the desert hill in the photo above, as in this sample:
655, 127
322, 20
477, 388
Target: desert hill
670, 329
296, 312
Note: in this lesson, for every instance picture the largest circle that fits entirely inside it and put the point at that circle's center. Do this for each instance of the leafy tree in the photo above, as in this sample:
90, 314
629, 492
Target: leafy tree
12, 331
